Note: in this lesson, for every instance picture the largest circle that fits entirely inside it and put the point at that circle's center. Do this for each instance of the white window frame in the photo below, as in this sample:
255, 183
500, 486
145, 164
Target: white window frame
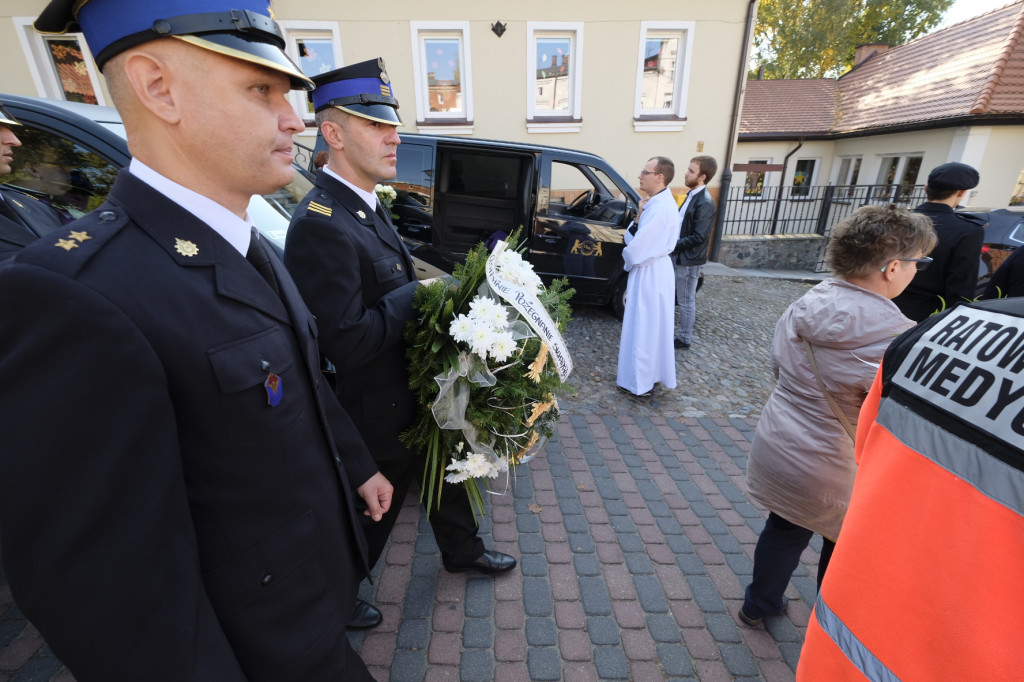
542, 121
673, 119
40, 65
811, 181
765, 185
839, 181
295, 30
442, 122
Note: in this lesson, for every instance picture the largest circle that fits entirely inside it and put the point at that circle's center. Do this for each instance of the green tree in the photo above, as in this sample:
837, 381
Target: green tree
818, 38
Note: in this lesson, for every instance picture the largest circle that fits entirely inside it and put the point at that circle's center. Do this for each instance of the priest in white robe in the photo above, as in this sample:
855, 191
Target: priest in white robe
646, 353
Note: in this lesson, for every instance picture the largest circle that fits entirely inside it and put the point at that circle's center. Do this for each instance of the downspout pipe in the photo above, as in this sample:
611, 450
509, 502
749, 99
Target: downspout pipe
741, 85
782, 186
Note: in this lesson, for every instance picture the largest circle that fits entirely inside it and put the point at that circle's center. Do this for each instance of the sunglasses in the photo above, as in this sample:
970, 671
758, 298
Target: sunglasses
920, 263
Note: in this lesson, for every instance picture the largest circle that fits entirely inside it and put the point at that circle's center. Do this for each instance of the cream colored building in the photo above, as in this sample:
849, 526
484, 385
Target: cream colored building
956, 94
620, 80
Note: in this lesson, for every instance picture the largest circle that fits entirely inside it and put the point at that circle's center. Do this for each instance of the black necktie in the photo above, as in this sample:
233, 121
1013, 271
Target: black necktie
257, 255
383, 215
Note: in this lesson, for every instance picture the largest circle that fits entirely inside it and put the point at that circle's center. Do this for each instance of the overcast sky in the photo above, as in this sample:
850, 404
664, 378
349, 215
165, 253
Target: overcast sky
965, 9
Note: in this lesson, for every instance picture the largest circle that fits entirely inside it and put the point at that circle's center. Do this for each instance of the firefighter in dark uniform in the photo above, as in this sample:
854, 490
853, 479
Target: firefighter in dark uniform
952, 277
23, 219
178, 483
357, 277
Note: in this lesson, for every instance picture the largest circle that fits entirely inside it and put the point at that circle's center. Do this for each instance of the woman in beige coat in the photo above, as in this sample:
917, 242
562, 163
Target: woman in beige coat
801, 465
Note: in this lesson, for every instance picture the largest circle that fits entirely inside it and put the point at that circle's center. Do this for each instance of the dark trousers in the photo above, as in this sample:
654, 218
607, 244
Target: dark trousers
776, 556
454, 528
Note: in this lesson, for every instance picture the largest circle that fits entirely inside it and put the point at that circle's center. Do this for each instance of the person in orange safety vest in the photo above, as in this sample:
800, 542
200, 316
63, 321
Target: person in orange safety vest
927, 578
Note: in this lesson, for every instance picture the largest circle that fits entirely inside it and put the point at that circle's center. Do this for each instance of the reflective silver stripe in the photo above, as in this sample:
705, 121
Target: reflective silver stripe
861, 657
992, 478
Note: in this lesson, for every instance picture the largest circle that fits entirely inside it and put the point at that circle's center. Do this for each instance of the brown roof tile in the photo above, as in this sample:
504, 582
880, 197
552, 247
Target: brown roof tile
973, 68
799, 107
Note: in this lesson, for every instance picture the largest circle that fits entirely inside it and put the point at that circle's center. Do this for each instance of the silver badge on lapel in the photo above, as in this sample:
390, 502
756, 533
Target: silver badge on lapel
362, 216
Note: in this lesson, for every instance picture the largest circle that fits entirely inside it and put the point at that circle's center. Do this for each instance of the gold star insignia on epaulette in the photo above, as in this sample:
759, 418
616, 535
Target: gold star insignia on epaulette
80, 236
67, 244
185, 247
362, 216
320, 208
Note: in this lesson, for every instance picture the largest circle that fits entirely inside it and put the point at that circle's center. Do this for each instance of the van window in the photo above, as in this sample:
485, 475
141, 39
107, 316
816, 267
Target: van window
59, 172
483, 175
412, 181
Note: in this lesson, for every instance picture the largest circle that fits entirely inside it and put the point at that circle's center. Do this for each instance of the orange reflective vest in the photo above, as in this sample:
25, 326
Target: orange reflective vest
927, 579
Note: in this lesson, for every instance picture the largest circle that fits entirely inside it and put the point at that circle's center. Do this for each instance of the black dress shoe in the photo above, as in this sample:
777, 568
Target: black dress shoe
680, 344
364, 616
490, 562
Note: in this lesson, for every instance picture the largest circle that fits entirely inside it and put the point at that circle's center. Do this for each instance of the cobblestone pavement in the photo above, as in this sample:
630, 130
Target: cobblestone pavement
634, 537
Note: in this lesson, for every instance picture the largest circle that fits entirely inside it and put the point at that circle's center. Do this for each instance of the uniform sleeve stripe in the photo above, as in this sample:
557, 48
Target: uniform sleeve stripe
860, 656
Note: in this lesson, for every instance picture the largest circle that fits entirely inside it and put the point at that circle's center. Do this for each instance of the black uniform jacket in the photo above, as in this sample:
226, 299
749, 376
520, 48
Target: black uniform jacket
31, 219
694, 230
953, 273
160, 520
357, 277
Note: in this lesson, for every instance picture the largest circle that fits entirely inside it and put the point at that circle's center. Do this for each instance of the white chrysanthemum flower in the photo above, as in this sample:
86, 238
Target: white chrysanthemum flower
508, 259
482, 308
502, 347
461, 328
481, 339
459, 473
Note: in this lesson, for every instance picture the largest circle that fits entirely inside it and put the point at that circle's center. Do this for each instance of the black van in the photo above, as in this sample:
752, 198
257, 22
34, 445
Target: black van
573, 207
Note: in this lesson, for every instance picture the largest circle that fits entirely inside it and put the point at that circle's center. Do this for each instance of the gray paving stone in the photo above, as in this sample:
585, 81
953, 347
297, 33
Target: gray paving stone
590, 449
594, 595
626, 449
531, 543
664, 450
741, 566
738, 660
413, 633
676, 661
722, 627
611, 422
726, 544
791, 653
619, 436
718, 476
616, 508
608, 489
533, 565
419, 598
690, 564
649, 491
570, 506
622, 524
38, 669
731, 492
639, 563
603, 631
650, 594
584, 435
409, 666
679, 544
690, 491
631, 542
669, 526
714, 525
598, 468
611, 663
478, 633
476, 665
705, 594
541, 632
576, 523
553, 447
582, 542
544, 664
528, 523
586, 565
663, 628
659, 509
479, 597
426, 564
559, 470
565, 488
537, 596
578, 421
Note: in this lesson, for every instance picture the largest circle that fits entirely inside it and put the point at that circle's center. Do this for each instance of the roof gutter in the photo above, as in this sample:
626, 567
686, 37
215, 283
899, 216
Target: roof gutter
737, 101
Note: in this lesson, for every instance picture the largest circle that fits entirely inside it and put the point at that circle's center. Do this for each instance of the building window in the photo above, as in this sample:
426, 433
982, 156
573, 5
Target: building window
663, 75
897, 176
803, 177
846, 180
441, 63
753, 185
316, 48
554, 71
62, 66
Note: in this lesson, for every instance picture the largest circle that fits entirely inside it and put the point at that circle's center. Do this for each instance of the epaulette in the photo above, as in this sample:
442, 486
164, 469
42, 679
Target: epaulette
69, 248
319, 209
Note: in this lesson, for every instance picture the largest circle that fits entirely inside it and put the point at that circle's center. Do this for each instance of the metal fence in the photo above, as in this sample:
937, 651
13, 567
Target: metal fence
806, 210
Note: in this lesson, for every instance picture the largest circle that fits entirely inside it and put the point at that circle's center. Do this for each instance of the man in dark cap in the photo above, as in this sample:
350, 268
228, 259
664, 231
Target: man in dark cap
177, 482
23, 219
358, 279
952, 276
